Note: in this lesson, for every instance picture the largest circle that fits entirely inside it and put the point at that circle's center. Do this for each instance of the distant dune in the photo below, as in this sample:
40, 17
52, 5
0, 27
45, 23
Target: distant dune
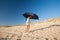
41, 30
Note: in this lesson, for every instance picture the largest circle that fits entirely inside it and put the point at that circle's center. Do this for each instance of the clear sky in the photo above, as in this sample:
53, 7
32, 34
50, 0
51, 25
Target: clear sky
11, 10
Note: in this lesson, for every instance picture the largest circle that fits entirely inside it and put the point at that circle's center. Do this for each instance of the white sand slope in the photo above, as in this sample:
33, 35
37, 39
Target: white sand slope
44, 30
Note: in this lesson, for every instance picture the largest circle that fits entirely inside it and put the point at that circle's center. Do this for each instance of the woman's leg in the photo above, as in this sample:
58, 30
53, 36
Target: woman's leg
28, 27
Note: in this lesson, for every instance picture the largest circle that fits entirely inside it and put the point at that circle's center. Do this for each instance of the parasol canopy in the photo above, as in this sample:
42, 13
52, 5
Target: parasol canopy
31, 15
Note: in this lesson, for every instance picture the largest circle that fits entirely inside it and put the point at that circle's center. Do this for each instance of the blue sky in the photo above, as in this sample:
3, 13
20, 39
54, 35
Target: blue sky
11, 10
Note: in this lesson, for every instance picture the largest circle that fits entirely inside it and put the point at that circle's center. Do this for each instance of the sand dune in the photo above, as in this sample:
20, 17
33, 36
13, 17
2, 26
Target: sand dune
42, 30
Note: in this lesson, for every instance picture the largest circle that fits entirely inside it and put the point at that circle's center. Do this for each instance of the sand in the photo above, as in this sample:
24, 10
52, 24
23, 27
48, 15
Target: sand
42, 30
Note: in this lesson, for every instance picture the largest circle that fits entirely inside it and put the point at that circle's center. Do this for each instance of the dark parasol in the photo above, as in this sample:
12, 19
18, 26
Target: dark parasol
31, 15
